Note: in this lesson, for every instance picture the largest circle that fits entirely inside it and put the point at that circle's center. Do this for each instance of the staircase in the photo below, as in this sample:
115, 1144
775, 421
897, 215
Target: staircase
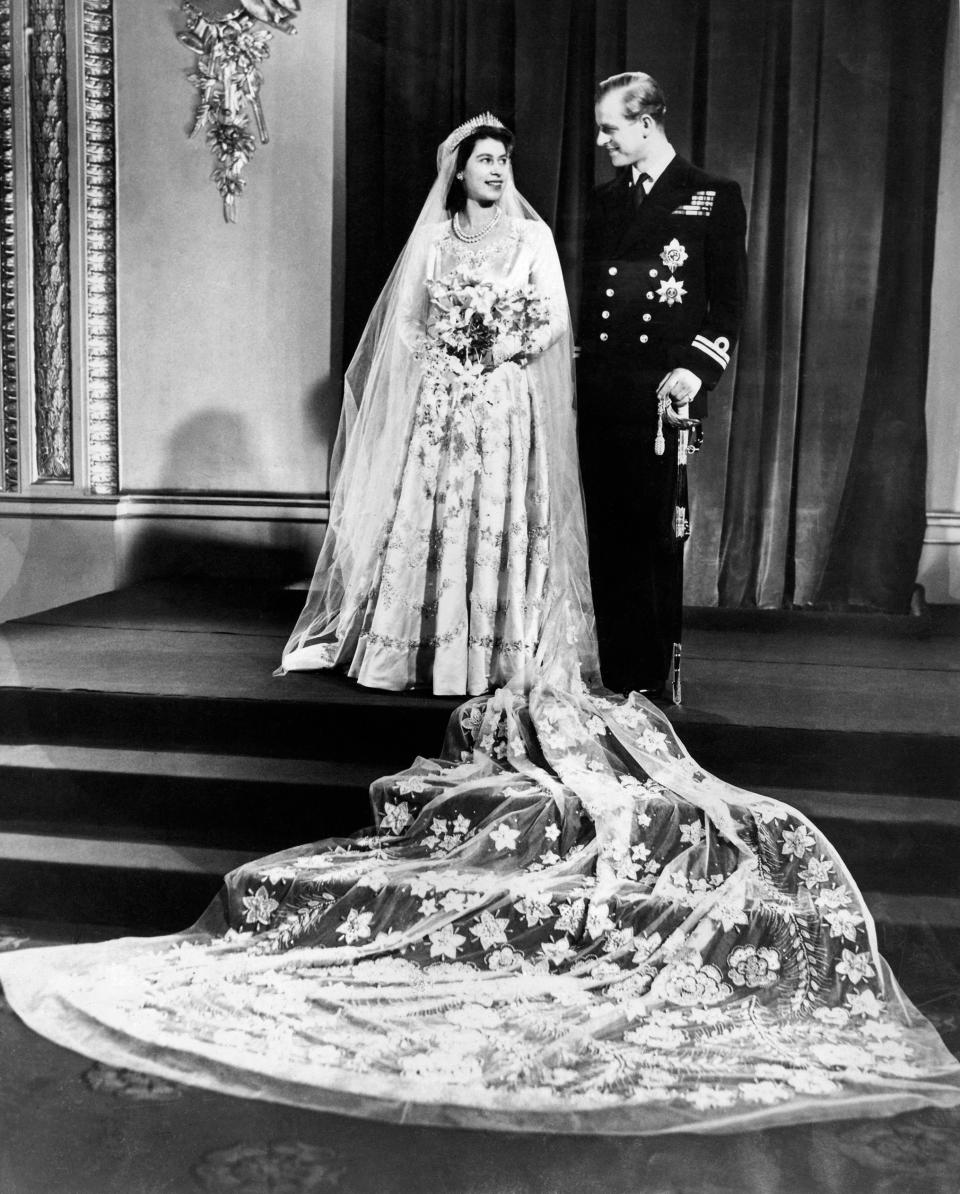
145, 750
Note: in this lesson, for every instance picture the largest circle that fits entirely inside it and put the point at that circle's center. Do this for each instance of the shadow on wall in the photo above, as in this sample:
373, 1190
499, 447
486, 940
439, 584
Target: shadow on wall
210, 456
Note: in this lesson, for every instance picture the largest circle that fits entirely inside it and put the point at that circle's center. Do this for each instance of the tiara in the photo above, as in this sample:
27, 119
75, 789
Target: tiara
464, 130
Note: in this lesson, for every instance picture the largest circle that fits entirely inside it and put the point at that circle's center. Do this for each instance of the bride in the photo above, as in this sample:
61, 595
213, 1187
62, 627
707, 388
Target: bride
455, 552
562, 924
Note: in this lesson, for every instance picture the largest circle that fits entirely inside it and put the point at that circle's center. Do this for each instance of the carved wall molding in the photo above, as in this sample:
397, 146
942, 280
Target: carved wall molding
101, 243
51, 240
9, 374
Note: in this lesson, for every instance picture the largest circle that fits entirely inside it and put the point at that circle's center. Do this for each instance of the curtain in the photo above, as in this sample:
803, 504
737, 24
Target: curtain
810, 490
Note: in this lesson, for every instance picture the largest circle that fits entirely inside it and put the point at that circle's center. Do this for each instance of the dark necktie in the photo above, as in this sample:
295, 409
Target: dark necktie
639, 194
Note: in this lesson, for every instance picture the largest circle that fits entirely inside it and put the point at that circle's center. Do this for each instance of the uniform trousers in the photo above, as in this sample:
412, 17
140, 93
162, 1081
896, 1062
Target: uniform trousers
635, 563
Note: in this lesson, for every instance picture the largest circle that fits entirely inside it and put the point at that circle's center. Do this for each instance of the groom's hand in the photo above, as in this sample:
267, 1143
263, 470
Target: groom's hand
680, 386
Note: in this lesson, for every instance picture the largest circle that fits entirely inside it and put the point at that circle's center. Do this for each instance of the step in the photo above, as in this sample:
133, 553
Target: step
898, 844
148, 885
241, 802
332, 729
339, 723
162, 887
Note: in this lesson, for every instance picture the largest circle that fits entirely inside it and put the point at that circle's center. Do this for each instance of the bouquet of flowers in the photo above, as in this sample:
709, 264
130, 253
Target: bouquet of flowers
471, 318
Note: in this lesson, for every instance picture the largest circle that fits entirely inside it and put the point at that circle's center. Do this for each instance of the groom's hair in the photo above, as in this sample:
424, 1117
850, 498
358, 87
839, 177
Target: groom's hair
642, 95
457, 196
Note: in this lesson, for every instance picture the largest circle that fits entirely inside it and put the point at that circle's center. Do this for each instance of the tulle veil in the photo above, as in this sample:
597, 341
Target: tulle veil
381, 388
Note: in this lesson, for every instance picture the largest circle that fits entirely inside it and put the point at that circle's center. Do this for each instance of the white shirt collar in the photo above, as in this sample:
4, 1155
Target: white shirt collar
653, 169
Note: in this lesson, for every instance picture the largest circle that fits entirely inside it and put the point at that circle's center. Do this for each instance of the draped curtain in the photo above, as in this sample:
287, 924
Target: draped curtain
810, 490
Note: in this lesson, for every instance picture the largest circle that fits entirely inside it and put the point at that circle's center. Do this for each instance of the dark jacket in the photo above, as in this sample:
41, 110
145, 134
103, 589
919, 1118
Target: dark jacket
665, 284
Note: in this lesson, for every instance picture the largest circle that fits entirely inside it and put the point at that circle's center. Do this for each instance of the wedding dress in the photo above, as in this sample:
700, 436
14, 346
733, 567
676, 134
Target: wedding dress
561, 924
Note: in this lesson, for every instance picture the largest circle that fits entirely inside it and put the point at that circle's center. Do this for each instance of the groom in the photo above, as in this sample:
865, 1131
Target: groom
664, 286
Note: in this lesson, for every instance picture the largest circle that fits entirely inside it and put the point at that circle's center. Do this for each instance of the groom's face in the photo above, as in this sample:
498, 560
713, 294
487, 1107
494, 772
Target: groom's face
625, 140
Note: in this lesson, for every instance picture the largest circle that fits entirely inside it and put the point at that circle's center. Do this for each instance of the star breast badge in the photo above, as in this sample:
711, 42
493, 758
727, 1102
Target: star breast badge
671, 291
673, 255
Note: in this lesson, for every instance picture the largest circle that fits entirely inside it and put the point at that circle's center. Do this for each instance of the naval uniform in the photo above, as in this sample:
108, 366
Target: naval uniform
664, 286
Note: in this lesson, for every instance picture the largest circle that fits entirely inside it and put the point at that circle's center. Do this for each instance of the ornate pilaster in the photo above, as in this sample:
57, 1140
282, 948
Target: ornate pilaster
51, 240
9, 396
101, 259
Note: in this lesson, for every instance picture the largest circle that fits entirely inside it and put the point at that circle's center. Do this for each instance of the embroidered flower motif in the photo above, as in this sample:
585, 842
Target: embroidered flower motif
260, 907
639, 852
504, 958
420, 886
833, 897
673, 255
812, 1082
445, 942
619, 939
428, 907
643, 819
675, 887
708, 1098
472, 720
376, 879
836, 1055
856, 967
816, 871
396, 817
691, 983
728, 914
671, 291
571, 916
598, 920
556, 952
504, 837
864, 1003
768, 810
460, 825
411, 785
551, 833
277, 876
454, 901
753, 966
652, 741
844, 923
490, 930
692, 833
550, 858
534, 911
356, 926
796, 842
764, 1092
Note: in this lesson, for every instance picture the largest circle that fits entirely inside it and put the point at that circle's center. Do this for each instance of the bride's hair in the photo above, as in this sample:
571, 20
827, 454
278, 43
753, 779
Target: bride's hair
457, 196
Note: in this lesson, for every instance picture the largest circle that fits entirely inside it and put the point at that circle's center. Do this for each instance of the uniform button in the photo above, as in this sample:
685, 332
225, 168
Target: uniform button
604, 314
609, 294
651, 295
604, 336
647, 317
612, 271
653, 273
644, 338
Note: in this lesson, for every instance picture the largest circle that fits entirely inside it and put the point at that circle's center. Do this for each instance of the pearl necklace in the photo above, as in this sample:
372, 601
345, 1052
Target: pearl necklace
471, 238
